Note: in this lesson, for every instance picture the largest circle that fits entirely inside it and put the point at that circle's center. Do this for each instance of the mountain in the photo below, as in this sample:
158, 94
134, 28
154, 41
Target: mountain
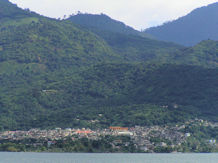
110, 94
52, 43
200, 24
136, 48
56, 73
102, 22
35, 51
32, 39
12, 12
126, 42
204, 54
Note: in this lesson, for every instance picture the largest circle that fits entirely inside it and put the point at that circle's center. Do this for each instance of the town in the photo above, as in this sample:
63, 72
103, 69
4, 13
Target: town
144, 138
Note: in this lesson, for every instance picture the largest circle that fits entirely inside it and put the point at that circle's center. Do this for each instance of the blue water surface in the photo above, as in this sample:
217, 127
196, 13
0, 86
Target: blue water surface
6, 157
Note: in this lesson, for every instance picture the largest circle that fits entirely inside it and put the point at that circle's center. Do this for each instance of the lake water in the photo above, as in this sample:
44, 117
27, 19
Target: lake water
6, 157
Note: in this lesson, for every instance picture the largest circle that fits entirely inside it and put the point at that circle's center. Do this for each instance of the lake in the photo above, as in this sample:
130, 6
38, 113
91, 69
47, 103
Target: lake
6, 157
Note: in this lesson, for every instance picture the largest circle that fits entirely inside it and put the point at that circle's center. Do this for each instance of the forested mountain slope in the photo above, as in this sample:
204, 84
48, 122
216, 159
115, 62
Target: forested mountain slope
200, 24
58, 74
102, 22
135, 48
125, 41
203, 54
123, 94
52, 43
9, 11
27, 37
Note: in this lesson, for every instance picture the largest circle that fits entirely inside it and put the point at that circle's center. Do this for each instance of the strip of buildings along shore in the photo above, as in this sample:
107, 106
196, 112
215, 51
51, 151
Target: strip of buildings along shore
144, 138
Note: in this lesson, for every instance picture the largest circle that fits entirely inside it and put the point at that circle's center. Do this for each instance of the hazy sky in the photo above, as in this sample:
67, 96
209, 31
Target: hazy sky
139, 14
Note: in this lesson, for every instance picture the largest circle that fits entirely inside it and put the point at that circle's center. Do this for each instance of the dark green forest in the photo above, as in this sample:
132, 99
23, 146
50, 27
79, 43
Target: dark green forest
83, 145
55, 73
141, 48
102, 22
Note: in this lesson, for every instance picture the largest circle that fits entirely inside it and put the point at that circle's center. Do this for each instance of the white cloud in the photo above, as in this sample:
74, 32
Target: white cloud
137, 13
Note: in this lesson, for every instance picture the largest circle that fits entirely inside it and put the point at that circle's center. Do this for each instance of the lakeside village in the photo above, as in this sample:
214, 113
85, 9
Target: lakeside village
168, 138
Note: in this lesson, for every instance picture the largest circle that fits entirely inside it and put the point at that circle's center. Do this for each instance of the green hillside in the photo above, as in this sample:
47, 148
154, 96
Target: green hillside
57, 74
119, 93
102, 22
135, 48
53, 44
9, 11
203, 54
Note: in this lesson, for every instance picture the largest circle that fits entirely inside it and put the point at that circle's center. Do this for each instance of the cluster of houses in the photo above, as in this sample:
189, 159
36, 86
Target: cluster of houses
145, 138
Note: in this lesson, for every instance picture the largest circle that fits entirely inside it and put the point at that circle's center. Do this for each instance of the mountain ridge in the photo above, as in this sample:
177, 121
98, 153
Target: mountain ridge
102, 21
200, 24
54, 73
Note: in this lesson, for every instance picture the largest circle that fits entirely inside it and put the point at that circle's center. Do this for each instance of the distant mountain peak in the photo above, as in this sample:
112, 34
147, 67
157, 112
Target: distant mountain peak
102, 22
9, 10
4, 1
200, 24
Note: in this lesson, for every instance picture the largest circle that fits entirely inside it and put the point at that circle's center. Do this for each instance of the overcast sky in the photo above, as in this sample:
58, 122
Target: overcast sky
139, 14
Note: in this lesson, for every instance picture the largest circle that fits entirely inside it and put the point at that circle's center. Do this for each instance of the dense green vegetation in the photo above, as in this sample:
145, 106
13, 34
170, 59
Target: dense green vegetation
203, 54
102, 22
136, 48
56, 74
124, 94
69, 145
51, 44
197, 143
200, 24
9, 11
